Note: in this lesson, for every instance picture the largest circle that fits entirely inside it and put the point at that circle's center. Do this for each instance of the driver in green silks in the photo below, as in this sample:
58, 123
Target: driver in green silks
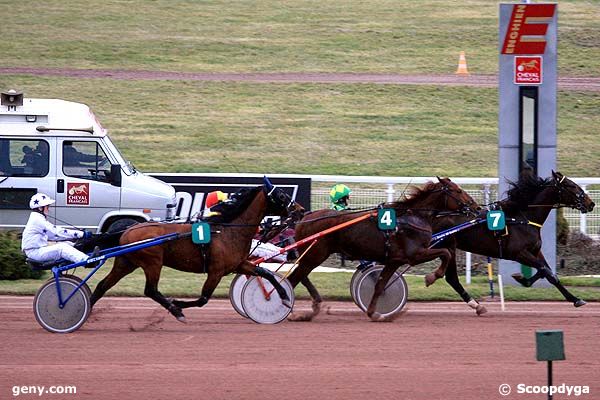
339, 195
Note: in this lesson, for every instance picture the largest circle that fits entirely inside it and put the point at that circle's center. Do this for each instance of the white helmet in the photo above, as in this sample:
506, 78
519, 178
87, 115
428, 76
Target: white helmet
40, 200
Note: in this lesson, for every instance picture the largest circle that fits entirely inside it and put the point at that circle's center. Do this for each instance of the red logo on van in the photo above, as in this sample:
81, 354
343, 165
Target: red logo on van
78, 193
528, 70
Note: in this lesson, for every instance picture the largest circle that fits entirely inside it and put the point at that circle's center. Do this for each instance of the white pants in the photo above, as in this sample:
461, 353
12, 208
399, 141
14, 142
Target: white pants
55, 252
267, 250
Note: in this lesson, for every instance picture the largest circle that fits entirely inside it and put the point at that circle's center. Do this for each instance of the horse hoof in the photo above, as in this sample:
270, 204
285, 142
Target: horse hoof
521, 279
480, 310
376, 317
316, 308
181, 319
429, 279
300, 317
580, 303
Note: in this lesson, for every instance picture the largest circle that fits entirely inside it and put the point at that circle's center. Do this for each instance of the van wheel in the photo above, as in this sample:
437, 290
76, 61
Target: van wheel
121, 224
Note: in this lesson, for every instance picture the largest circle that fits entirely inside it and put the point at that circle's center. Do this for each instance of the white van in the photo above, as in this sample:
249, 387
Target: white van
59, 148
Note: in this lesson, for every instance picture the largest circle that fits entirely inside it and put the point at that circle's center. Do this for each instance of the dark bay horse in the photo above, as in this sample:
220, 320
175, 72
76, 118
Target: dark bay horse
528, 204
236, 222
363, 240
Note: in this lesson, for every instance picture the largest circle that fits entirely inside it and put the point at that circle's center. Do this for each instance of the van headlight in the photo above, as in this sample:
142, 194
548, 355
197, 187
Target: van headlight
171, 209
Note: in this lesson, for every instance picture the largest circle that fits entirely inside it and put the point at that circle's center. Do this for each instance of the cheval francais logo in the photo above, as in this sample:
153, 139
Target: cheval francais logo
528, 70
78, 193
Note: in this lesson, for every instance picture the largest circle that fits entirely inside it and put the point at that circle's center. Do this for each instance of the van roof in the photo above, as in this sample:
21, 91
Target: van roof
63, 118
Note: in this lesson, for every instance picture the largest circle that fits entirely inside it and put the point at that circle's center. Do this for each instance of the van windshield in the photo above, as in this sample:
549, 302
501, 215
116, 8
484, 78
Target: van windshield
127, 166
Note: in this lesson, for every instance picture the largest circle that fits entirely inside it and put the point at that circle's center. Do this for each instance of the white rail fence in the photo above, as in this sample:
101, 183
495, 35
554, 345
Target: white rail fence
369, 191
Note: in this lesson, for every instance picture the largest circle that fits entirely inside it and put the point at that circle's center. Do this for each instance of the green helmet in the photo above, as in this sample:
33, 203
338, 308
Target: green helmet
338, 192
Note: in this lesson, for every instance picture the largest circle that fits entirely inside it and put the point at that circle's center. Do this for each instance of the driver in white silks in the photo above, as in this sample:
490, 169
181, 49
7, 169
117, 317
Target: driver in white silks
38, 231
259, 249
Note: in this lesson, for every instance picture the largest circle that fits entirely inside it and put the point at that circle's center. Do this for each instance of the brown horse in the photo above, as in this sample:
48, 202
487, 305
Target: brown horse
529, 202
363, 240
228, 250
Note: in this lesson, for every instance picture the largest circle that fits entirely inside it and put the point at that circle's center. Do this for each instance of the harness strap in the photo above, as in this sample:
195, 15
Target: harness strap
500, 241
205, 252
387, 246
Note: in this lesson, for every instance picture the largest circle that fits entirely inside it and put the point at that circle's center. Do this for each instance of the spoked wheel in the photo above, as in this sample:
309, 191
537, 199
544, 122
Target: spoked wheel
265, 309
235, 293
393, 298
61, 320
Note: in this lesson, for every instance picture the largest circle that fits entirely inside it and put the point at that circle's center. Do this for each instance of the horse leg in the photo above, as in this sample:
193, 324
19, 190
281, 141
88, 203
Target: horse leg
452, 279
383, 279
553, 279
272, 278
248, 268
300, 275
316, 303
120, 269
211, 283
312, 291
527, 282
151, 290
544, 271
431, 254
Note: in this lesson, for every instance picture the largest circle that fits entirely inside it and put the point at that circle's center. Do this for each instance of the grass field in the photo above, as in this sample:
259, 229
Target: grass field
300, 35
349, 129
333, 286
339, 129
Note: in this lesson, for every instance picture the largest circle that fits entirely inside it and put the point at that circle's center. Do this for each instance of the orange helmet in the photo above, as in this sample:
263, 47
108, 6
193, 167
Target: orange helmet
214, 198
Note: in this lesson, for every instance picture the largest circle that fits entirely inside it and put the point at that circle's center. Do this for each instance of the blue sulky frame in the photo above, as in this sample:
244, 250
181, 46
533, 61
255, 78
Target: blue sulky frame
105, 255
440, 236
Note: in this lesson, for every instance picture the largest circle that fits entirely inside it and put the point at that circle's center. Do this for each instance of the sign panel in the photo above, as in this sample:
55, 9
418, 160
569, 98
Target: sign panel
191, 189
495, 220
549, 345
201, 233
527, 105
386, 219
527, 27
528, 70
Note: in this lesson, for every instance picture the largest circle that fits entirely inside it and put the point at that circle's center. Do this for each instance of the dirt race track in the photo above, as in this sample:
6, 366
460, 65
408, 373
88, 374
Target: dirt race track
131, 349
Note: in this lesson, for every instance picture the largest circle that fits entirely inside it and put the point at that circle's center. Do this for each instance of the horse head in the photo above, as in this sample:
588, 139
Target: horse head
571, 194
456, 199
280, 203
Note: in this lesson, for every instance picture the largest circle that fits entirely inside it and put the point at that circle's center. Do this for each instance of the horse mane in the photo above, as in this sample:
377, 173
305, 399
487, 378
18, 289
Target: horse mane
232, 208
523, 192
415, 195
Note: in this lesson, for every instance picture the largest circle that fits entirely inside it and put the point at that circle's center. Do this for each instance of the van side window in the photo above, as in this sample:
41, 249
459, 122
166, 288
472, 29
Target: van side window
85, 160
24, 158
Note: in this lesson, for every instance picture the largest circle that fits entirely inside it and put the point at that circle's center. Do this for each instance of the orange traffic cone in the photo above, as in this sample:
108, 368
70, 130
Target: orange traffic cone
462, 65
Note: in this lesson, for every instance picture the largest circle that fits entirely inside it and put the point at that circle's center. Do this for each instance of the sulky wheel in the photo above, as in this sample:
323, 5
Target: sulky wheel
393, 298
61, 320
78, 280
261, 309
354, 283
235, 294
